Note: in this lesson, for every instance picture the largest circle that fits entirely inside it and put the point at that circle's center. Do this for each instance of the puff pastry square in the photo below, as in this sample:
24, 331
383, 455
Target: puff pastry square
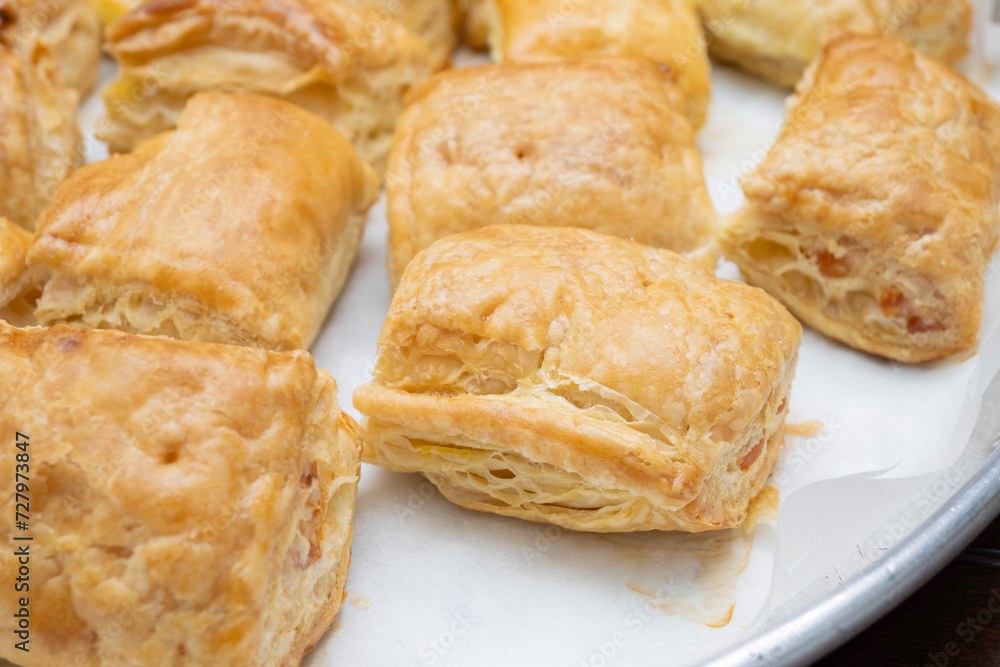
874, 215
777, 39
238, 227
40, 141
203, 518
601, 144
70, 28
665, 31
564, 376
20, 287
348, 65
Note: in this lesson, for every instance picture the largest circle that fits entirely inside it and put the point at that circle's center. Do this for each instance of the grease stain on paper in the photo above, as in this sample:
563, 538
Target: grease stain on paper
703, 589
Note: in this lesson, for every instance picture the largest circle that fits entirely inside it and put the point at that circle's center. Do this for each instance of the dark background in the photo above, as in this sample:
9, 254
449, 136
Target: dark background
936, 620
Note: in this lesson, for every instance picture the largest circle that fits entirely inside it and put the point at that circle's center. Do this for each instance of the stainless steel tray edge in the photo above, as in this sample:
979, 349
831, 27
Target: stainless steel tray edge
861, 601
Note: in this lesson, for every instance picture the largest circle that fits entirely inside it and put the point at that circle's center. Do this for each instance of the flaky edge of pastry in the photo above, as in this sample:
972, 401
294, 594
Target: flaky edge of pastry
357, 81
414, 137
474, 22
689, 62
337, 439
844, 309
870, 320
42, 145
19, 298
141, 308
329, 437
946, 40
20, 285
501, 453
327, 593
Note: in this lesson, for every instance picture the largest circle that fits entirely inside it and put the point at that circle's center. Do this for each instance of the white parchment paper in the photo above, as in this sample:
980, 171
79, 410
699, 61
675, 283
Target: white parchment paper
434, 584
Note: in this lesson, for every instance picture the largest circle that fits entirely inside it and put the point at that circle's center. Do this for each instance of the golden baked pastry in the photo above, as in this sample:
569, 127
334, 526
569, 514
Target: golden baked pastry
599, 143
70, 28
874, 215
19, 286
665, 31
436, 21
476, 17
40, 141
190, 504
564, 376
777, 39
112, 10
315, 53
238, 227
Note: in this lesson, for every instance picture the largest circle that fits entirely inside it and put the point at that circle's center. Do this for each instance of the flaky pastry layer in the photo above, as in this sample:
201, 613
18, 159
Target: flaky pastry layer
664, 31
70, 29
435, 21
570, 377
318, 55
777, 39
476, 18
201, 518
40, 141
874, 215
20, 286
601, 144
238, 227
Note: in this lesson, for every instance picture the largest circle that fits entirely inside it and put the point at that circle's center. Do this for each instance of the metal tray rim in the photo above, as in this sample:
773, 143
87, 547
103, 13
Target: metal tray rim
832, 621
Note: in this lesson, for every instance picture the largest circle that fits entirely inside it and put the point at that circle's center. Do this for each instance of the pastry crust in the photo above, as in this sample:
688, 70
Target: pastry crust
435, 21
612, 151
777, 39
665, 31
70, 28
112, 10
201, 518
20, 287
477, 16
348, 65
40, 143
238, 227
874, 216
564, 376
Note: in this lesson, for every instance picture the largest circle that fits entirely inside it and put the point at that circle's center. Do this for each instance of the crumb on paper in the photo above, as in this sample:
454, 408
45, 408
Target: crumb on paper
763, 509
360, 601
805, 429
